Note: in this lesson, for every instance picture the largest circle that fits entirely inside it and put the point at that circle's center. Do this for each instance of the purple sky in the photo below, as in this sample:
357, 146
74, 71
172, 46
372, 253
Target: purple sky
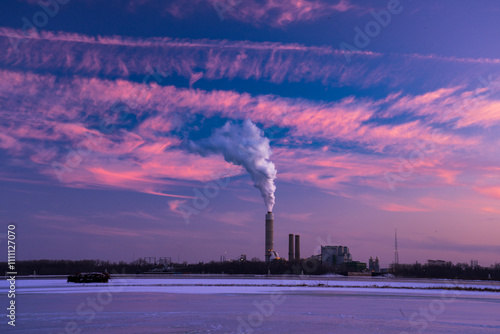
379, 115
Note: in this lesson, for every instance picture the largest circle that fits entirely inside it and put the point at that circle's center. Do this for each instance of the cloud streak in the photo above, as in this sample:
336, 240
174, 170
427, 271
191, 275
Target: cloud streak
224, 60
275, 13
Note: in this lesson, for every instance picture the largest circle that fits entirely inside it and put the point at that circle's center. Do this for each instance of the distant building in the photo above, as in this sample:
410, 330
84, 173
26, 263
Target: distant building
335, 255
353, 266
436, 262
374, 265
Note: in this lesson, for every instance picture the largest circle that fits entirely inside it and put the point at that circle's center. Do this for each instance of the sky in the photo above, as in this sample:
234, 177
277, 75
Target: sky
375, 115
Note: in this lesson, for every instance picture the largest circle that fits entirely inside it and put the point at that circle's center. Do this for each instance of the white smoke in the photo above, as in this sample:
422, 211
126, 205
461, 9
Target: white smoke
244, 145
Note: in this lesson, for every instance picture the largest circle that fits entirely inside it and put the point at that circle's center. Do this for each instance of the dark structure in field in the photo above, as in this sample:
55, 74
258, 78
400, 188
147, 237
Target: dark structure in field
89, 278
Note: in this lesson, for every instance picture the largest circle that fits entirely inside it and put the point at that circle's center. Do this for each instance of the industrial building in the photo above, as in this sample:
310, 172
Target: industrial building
335, 255
339, 259
353, 266
374, 265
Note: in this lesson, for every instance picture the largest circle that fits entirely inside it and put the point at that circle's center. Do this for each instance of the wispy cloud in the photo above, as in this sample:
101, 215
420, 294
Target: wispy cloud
175, 204
491, 209
156, 163
276, 13
279, 13
492, 191
392, 207
274, 62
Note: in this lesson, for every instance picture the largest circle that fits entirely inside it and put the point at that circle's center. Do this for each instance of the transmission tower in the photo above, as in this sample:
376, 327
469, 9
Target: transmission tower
396, 253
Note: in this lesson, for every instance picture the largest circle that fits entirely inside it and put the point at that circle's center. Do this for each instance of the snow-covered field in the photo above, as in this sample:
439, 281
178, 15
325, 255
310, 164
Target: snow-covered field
255, 305
253, 285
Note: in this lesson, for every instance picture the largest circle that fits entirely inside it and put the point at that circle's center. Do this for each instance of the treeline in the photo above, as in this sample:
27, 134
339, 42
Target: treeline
447, 270
255, 267
277, 267
69, 267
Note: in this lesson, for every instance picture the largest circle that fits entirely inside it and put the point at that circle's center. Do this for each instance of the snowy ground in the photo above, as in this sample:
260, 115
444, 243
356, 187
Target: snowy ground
254, 305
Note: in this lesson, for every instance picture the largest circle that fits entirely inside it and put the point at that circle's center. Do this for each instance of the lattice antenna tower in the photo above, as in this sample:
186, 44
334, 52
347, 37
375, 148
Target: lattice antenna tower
396, 253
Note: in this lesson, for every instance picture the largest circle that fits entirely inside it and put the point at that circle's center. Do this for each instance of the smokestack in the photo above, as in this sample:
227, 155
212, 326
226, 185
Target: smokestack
290, 247
269, 235
297, 247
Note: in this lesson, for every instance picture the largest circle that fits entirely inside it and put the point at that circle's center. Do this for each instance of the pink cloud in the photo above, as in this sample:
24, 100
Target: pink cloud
156, 175
175, 204
400, 208
343, 119
491, 209
156, 165
482, 112
284, 12
158, 193
450, 176
335, 173
9, 142
155, 159
493, 192
277, 13
465, 107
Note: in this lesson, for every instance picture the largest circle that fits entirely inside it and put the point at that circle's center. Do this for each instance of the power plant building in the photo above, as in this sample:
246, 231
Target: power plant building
335, 255
436, 262
374, 265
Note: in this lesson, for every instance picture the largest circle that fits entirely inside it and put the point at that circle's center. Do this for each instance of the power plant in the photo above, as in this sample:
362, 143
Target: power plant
332, 257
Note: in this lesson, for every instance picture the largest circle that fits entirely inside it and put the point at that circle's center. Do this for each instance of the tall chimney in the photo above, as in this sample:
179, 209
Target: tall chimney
297, 247
290, 247
269, 235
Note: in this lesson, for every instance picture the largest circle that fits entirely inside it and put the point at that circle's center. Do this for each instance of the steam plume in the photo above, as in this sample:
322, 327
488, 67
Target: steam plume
244, 145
